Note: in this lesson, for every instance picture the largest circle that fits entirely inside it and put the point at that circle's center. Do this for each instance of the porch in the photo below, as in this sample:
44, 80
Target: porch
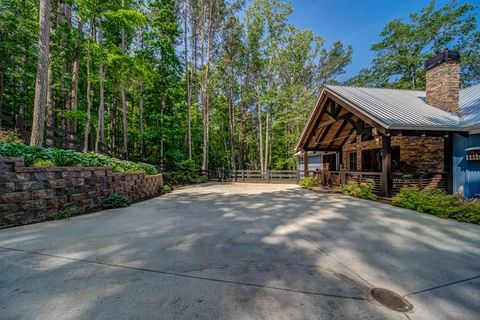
361, 149
334, 180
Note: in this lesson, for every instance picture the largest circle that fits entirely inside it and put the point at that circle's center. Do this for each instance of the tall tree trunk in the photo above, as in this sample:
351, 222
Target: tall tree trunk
162, 108
67, 13
142, 129
101, 107
265, 166
101, 111
89, 108
260, 130
50, 107
113, 116
2, 87
75, 74
187, 79
231, 119
41, 82
124, 100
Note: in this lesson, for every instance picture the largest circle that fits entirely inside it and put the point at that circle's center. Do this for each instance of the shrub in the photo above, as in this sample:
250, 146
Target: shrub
363, 190
307, 182
408, 197
433, 201
116, 200
62, 214
187, 167
437, 202
9, 136
70, 158
166, 188
43, 163
469, 212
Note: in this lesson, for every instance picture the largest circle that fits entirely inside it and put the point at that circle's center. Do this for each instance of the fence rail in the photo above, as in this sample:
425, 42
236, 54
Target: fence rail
265, 176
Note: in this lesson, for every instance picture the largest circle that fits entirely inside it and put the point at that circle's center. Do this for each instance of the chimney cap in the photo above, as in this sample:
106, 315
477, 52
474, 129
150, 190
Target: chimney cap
443, 55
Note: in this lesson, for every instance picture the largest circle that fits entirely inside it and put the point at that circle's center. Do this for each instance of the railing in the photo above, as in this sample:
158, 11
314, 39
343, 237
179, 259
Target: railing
421, 180
265, 176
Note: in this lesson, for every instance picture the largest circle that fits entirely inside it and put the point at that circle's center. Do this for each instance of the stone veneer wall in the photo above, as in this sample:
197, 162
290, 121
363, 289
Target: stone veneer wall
33, 194
420, 154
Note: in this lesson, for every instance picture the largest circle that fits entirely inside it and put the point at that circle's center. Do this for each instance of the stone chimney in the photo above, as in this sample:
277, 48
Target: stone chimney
443, 80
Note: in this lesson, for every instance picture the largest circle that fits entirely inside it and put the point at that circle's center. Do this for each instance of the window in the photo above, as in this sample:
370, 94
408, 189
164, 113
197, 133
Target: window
371, 160
352, 161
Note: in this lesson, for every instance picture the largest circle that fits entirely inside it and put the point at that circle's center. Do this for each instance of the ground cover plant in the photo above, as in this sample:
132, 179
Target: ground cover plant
48, 157
363, 190
438, 203
307, 182
116, 200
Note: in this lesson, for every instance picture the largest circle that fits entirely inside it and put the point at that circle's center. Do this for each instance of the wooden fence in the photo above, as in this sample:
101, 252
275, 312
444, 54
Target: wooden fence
261, 176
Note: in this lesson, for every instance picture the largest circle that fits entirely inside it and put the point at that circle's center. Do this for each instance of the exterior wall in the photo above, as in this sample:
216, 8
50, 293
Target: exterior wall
466, 174
420, 154
29, 194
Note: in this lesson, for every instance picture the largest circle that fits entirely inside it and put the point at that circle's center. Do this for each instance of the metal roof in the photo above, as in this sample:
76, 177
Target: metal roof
470, 105
393, 108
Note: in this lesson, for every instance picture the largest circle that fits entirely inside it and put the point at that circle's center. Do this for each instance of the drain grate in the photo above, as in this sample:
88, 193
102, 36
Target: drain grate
391, 300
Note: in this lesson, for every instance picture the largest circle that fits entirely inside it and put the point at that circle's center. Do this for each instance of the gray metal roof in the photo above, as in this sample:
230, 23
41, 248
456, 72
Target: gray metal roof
470, 105
395, 108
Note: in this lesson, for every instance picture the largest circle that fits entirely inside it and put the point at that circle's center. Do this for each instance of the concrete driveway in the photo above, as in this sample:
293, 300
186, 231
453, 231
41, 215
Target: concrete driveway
241, 251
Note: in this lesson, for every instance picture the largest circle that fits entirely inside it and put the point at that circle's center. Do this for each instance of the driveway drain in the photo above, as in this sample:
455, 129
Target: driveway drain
391, 300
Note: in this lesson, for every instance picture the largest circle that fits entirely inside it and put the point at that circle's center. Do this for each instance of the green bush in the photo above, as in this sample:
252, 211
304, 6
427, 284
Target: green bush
43, 163
186, 173
307, 182
116, 200
187, 167
62, 214
363, 190
166, 188
437, 202
469, 212
70, 158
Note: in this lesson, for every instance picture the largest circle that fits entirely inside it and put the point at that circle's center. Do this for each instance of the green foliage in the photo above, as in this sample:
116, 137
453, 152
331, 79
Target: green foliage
166, 188
307, 182
437, 202
187, 167
43, 163
62, 214
9, 136
405, 46
116, 200
363, 190
70, 158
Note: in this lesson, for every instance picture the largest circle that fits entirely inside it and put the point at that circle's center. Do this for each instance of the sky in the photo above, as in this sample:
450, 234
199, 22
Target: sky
355, 22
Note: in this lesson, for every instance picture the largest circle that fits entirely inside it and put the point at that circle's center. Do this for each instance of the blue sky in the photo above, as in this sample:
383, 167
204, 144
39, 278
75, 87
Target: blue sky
355, 22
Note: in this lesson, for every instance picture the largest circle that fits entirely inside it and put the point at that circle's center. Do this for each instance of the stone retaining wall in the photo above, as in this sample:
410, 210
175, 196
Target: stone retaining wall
32, 194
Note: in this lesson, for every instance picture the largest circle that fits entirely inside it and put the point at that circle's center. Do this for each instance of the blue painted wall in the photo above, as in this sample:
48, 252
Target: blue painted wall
466, 173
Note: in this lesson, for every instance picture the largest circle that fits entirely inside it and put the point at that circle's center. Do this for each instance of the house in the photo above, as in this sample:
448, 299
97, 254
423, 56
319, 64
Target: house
318, 160
401, 137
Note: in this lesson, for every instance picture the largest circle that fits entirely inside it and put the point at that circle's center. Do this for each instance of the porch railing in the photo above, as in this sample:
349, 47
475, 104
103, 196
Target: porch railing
421, 180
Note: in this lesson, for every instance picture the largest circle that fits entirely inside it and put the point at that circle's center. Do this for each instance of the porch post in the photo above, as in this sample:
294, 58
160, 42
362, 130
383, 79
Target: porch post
448, 160
386, 182
305, 163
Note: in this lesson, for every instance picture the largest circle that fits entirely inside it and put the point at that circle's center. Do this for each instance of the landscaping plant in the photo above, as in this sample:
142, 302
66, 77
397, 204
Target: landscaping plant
363, 190
116, 200
439, 203
307, 182
71, 158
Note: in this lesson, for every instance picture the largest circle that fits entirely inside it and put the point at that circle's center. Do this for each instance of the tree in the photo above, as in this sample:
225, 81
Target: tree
41, 83
406, 45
